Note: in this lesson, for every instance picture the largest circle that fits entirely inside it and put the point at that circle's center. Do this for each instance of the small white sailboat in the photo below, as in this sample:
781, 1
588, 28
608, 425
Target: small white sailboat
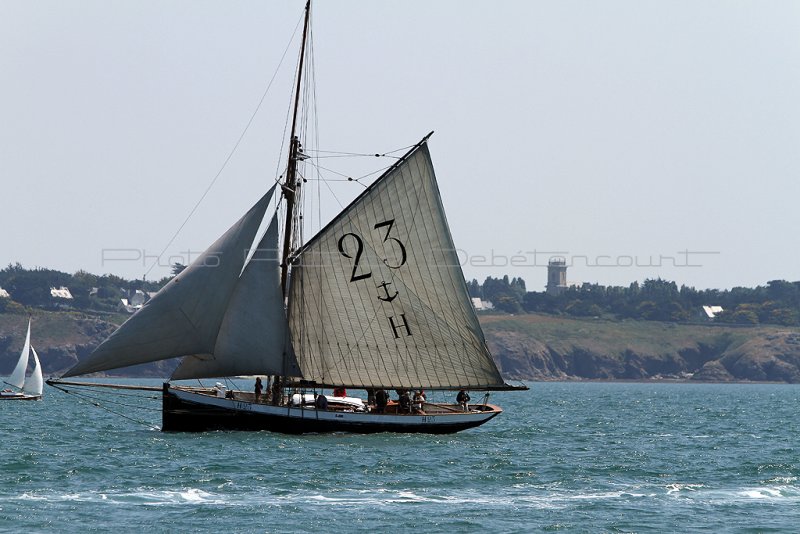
22, 388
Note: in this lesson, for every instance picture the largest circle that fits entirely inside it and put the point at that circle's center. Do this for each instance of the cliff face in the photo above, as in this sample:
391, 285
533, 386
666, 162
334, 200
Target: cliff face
61, 339
525, 347
540, 347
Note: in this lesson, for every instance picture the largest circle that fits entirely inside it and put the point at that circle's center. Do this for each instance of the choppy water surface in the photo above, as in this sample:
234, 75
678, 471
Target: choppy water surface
564, 457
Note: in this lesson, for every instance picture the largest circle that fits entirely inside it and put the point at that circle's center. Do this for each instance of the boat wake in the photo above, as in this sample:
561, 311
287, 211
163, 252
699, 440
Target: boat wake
781, 492
143, 497
531, 498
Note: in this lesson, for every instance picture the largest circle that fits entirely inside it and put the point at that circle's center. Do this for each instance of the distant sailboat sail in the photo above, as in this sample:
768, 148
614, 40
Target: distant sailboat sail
25, 389
17, 378
34, 385
378, 298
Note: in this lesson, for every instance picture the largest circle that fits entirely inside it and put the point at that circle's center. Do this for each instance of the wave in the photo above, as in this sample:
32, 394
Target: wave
783, 492
146, 497
542, 499
774, 493
677, 488
520, 496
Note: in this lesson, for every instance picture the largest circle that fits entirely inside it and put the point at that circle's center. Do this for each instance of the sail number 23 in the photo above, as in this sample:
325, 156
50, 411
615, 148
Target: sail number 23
347, 252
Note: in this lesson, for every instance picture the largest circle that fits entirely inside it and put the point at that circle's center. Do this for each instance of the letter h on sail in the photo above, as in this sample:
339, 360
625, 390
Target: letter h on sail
396, 327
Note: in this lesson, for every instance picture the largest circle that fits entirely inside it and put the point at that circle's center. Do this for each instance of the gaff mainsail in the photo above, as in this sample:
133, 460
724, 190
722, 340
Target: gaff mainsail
378, 297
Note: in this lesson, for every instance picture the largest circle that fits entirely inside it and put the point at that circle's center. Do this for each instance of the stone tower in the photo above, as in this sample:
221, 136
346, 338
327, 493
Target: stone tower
556, 276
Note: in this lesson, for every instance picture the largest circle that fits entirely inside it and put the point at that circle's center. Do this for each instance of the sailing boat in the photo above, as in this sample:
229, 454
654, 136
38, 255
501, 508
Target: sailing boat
25, 389
375, 301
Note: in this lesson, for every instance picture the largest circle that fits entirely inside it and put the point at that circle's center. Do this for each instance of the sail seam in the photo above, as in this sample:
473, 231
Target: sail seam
441, 352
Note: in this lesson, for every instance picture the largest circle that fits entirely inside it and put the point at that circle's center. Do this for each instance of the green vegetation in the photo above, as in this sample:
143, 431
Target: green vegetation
547, 347
587, 332
91, 293
610, 337
654, 300
778, 302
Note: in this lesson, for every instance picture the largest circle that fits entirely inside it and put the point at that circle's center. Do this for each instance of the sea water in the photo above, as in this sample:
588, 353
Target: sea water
573, 457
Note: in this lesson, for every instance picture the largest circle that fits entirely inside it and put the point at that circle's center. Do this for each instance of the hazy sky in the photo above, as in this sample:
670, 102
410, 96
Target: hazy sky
637, 139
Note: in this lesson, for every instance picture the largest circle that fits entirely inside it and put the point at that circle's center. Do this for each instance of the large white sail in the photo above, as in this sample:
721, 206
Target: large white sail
378, 296
253, 337
17, 378
183, 318
35, 383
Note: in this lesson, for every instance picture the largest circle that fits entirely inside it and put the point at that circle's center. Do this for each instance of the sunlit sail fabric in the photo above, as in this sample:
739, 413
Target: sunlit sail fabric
17, 378
378, 296
35, 383
183, 318
253, 335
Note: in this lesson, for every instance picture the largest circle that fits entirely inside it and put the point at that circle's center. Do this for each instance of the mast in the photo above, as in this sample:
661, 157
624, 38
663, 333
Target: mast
289, 186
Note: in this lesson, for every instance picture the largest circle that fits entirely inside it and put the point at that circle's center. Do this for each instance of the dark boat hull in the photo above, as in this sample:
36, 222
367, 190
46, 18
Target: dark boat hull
188, 411
19, 396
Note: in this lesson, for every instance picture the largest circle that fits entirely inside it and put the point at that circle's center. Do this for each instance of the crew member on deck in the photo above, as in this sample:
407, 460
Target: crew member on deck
258, 388
405, 401
419, 402
339, 392
381, 400
463, 399
277, 395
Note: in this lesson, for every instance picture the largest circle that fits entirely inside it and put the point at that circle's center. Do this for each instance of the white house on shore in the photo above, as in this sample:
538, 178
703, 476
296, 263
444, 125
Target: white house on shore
135, 302
60, 293
481, 305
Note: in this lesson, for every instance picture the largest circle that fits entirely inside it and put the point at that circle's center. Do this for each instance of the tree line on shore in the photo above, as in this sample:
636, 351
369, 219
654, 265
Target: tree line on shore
777, 302
90, 292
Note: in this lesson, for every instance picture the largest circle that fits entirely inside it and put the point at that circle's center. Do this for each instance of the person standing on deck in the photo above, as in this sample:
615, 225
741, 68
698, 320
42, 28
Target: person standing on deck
463, 399
277, 395
419, 402
405, 401
258, 388
381, 400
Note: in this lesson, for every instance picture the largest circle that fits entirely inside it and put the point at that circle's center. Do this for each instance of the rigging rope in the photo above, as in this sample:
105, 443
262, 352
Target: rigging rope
361, 154
89, 399
230, 155
346, 178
